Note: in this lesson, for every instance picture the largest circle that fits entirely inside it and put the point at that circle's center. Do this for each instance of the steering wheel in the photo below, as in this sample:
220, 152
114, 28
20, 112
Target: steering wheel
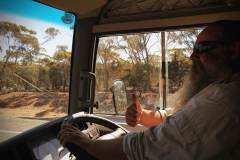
91, 125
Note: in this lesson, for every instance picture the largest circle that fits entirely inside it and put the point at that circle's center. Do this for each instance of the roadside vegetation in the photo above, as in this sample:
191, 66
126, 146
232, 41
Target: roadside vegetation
26, 67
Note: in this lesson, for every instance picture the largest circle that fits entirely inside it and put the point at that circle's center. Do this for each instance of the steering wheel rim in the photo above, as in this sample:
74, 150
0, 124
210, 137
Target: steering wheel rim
82, 117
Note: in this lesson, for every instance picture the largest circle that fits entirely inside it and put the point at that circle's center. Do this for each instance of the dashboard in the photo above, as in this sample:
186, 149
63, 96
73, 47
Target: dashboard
51, 150
38, 143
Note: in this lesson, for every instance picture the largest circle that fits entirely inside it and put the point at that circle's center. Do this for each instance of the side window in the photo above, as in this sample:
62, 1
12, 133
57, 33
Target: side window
135, 59
152, 64
35, 54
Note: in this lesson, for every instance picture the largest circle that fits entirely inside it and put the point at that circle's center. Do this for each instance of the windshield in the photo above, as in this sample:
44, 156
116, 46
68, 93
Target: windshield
35, 55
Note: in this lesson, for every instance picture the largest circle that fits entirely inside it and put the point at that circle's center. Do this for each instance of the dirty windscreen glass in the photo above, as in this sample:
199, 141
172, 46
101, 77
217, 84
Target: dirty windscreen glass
35, 54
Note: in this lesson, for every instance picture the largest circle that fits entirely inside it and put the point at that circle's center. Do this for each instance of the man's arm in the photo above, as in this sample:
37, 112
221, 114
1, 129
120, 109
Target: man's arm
135, 114
150, 118
107, 149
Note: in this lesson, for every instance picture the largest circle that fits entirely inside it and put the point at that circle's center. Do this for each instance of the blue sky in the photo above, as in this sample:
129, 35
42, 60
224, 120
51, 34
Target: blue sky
33, 10
37, 17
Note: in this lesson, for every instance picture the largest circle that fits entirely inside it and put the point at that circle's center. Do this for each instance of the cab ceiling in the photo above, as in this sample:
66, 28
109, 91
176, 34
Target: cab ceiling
128, 10
123, 11
119, 10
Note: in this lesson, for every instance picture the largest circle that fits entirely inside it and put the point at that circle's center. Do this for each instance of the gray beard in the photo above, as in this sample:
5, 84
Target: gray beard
199, 78
194, 82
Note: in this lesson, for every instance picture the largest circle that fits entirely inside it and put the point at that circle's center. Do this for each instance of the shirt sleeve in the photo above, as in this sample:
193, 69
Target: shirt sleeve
164, 113
163, 142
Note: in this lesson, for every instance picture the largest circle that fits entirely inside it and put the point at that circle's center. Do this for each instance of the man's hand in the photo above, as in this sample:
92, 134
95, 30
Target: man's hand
71, 134
101, 149
134, 112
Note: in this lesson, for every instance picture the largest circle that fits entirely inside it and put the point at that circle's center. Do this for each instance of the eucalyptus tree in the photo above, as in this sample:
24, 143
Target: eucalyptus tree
184, 38
16, 38
63, 60
51, 33
138, 47
108, 59
19, 41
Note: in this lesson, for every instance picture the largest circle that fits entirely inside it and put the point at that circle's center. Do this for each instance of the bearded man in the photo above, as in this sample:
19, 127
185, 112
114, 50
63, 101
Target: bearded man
207, 126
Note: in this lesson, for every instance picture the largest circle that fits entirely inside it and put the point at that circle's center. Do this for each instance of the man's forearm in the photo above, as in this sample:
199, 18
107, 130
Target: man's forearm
107, 149
150, 118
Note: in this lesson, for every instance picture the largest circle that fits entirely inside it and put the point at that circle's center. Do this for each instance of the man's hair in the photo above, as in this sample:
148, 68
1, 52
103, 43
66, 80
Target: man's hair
231, 29
231, 33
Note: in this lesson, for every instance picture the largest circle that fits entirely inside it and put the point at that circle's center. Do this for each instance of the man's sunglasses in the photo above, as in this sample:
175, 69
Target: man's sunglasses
206, 46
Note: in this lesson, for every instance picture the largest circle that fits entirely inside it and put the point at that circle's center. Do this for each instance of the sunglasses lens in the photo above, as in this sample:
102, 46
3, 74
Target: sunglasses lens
204, 47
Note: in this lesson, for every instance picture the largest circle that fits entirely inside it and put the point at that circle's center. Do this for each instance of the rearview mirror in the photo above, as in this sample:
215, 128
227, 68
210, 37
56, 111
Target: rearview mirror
119, 96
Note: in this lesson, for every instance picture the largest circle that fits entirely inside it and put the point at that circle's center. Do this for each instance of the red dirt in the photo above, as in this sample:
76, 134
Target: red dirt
34, 104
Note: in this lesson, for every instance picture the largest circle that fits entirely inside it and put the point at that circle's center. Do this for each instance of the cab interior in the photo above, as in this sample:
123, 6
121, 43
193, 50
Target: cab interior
94, 21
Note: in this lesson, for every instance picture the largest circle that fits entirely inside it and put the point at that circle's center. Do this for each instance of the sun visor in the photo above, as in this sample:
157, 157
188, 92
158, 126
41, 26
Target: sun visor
80, 7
